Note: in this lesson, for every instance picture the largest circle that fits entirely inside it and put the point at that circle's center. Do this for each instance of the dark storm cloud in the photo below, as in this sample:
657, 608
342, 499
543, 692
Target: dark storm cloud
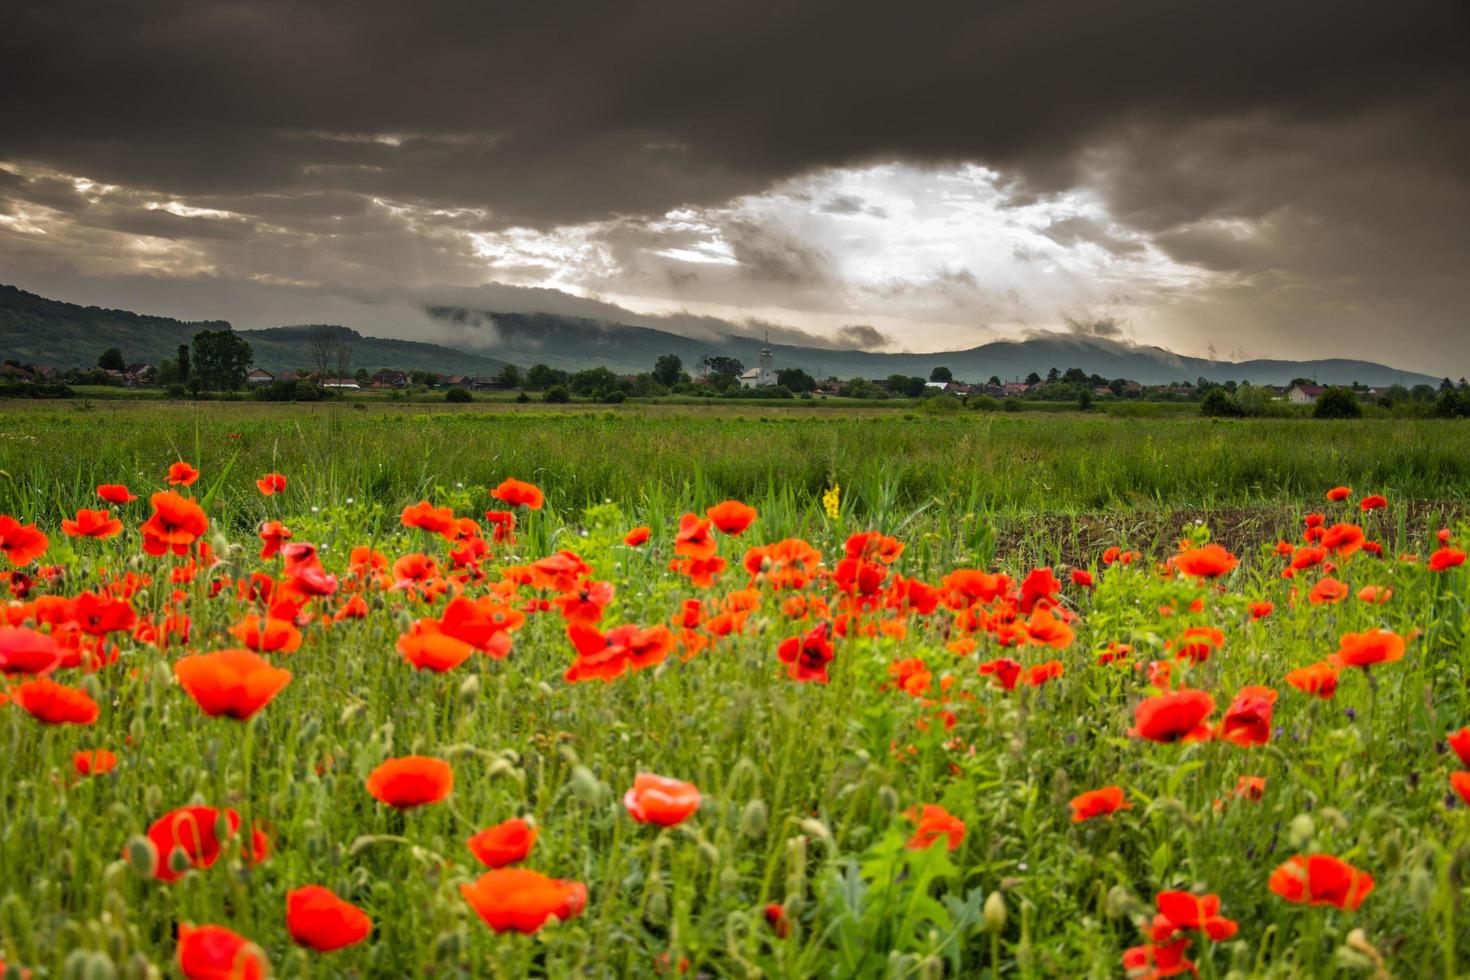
557, 112
863, 335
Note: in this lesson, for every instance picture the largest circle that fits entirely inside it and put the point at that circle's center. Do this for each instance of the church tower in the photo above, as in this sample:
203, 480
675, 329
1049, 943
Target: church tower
767, 377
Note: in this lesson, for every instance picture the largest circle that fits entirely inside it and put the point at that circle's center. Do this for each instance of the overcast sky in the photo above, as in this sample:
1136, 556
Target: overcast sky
1276, 178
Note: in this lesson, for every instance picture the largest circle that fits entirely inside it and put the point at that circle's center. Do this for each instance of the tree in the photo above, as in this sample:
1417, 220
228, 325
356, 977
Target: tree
509, 377
994, 381
344, 359
1084, 399
557, 394
221, 359
795, 379
721, 364
1033, 378
941, 374
1300, 381
1075, 376
666, 370
1053, 376
168, 372
321, 345
1337, 403
1219, 404
362, 377
593, 381
541, 377
183, 362
112, 360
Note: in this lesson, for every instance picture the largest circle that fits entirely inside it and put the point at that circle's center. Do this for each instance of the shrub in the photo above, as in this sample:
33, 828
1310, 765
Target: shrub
557, 395
522, 398
458, 396
175, 390
1013, 404
613, 397
984, 403
1338, 403
1217, 403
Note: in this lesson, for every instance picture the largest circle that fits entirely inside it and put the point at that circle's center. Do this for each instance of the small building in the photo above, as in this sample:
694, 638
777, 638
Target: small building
763, 376
389, 379
260, 376
341, 384
1304, 394
457, 381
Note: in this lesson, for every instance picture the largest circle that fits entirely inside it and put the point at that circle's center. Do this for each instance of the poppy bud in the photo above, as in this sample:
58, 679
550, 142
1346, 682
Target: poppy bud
163, 673
753, 819
92, 686
710, 853
888, 799
1335, 817
729, 880
1118, 902
795, 865
1300, 831
587, 787
309, 731
75, 967
135, 731
153, 798
817, 829
1421, 887
219, 544
1391, 849
448, 947
178, 861
66, 862
99, 967
994, 912
222, 828
657, 910
469, 689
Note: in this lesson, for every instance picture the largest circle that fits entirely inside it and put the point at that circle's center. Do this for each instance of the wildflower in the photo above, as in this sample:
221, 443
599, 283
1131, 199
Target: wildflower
1173, 717
1337, 494
318, 919
607, 656
518, 493
1039, 587
54, 704
181, 474
1181, 911
1366, 649
1042, 673
426, 517
115, 493
216, 953
411, 781
1373, 503
1327, 591
1252, 788
1375, 594
274, 535
1248, 719
1321, 879
1005, 671
1149, 962
269, 634
520, 900
1319, 679
1197, 643
230, 683
808, 655
1082, 578
177, 522
637, 536
1260, 610
1460, 742
22, 543
271, 484
24, 651
427, 648
1460, 783
1443, 559
731, 517
1098, 803
1209, 561
193, 831
694, 539
91, 524
934, 823
1342, 539
660, 800
832, 502
775, 915
505, 843
1047, 629
98, 762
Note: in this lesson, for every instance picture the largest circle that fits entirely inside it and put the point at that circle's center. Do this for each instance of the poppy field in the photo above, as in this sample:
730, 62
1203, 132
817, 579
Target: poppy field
597, 694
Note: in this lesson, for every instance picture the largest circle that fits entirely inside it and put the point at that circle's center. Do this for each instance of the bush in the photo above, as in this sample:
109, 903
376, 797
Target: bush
174, 390
522, 398
1013, 404
1217, 403
984, 403
557, 395
613, 397
458, 396
34, 389
940, 405
1338, 403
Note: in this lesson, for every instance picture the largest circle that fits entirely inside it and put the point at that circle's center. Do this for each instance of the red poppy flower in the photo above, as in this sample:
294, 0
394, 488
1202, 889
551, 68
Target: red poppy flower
622, 649
775, 915
98, 762
934, 823
1251, 788
271, 484
732, 517
660, 800
216, 953
1319, 678
1373, 503
273, 534
318, 919
1338, 494
91, 524
1005, 670
270, 634
1342, 539
1045, 628
1209, 561
505, 843
1366, 649
1460, 783
54, 704
411, 781
1327, 591
1039, 586
1156, 962
115, 493
194, 832
230, 683
1321, 879
1082, 578
427, 517
518, 493
1446, 558
24, 651
1460, 742
1260, 610
1173, 717
807, 656
1197, 643
1098, 803
1375, 594
637, 536
521, 900
428, 648
181, 474
1248, 719
1186, 912
694, 539
176, 523
22, 543
1041, 673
